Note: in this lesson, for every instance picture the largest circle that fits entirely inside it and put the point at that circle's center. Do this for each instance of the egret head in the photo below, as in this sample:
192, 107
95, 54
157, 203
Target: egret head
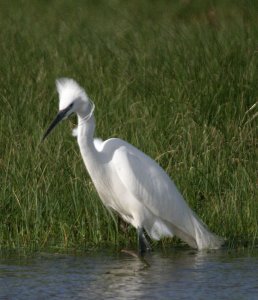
72, 99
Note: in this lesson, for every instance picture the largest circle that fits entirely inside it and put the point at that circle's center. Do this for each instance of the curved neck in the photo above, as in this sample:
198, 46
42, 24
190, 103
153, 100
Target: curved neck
86, 128
85, 133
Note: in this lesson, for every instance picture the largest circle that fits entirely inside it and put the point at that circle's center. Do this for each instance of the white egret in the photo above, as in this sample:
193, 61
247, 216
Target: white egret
130, 182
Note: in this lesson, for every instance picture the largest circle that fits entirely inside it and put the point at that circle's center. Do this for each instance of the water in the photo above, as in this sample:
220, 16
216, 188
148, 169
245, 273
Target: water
174, 274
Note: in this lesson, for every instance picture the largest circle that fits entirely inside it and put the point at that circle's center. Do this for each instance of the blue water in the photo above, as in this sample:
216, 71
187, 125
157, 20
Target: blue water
170, 274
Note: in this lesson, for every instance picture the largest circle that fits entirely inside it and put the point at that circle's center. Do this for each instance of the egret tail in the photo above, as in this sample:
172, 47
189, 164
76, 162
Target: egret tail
193, 232
202, 237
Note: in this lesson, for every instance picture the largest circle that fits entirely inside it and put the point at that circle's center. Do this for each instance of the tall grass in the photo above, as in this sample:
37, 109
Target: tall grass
178, 79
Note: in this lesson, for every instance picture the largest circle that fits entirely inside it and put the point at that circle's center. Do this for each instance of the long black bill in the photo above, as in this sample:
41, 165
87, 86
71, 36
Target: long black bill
58, 118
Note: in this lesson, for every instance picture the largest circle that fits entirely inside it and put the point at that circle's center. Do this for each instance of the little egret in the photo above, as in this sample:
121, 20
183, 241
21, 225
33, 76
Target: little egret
130, 182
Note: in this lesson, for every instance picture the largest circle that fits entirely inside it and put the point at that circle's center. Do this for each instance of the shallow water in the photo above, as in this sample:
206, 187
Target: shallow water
173, 274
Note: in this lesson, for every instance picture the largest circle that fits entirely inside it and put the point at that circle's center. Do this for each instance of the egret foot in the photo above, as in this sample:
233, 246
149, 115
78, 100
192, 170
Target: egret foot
130, 252
137, 255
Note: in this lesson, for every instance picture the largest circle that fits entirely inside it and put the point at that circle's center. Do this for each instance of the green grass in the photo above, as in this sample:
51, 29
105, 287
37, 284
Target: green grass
177, 79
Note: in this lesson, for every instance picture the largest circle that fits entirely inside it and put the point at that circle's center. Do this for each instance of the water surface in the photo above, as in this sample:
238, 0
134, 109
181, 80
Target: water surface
170, 274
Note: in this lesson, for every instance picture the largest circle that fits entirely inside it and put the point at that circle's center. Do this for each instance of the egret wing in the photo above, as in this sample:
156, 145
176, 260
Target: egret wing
149, 183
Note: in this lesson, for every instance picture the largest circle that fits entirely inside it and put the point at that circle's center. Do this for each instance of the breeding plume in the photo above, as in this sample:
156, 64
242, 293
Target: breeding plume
130, 182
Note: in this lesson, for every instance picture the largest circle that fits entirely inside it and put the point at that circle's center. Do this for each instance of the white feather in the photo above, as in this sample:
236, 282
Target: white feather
75, 132
68, 91
98, 143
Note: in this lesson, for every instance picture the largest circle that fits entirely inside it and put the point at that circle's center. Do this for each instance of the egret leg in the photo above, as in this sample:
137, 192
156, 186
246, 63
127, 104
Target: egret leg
143, 244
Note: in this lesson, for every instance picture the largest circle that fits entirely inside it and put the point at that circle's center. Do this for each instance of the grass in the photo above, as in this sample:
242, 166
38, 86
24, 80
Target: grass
177, 79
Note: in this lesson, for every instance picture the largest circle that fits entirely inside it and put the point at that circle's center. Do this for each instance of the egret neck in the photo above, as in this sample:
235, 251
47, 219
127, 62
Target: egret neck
86, 128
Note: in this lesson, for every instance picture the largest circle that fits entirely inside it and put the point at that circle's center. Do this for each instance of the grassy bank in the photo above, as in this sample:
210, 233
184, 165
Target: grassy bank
179, 81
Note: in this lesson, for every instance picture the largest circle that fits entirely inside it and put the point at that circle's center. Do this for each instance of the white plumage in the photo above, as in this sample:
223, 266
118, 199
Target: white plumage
130, 182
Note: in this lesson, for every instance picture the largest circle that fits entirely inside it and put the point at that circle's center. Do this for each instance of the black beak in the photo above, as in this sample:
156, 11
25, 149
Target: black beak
60, 116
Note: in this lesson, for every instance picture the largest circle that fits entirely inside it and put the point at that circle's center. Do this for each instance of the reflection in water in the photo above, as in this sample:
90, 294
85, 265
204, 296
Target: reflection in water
171, 274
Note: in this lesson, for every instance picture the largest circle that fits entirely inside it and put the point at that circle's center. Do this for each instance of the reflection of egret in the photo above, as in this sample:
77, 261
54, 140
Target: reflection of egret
130, 182
116, 277
173, 274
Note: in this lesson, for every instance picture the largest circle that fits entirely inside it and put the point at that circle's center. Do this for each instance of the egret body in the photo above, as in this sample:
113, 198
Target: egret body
130, 182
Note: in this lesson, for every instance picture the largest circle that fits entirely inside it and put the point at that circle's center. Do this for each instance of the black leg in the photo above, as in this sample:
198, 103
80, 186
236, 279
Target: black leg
143, 244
